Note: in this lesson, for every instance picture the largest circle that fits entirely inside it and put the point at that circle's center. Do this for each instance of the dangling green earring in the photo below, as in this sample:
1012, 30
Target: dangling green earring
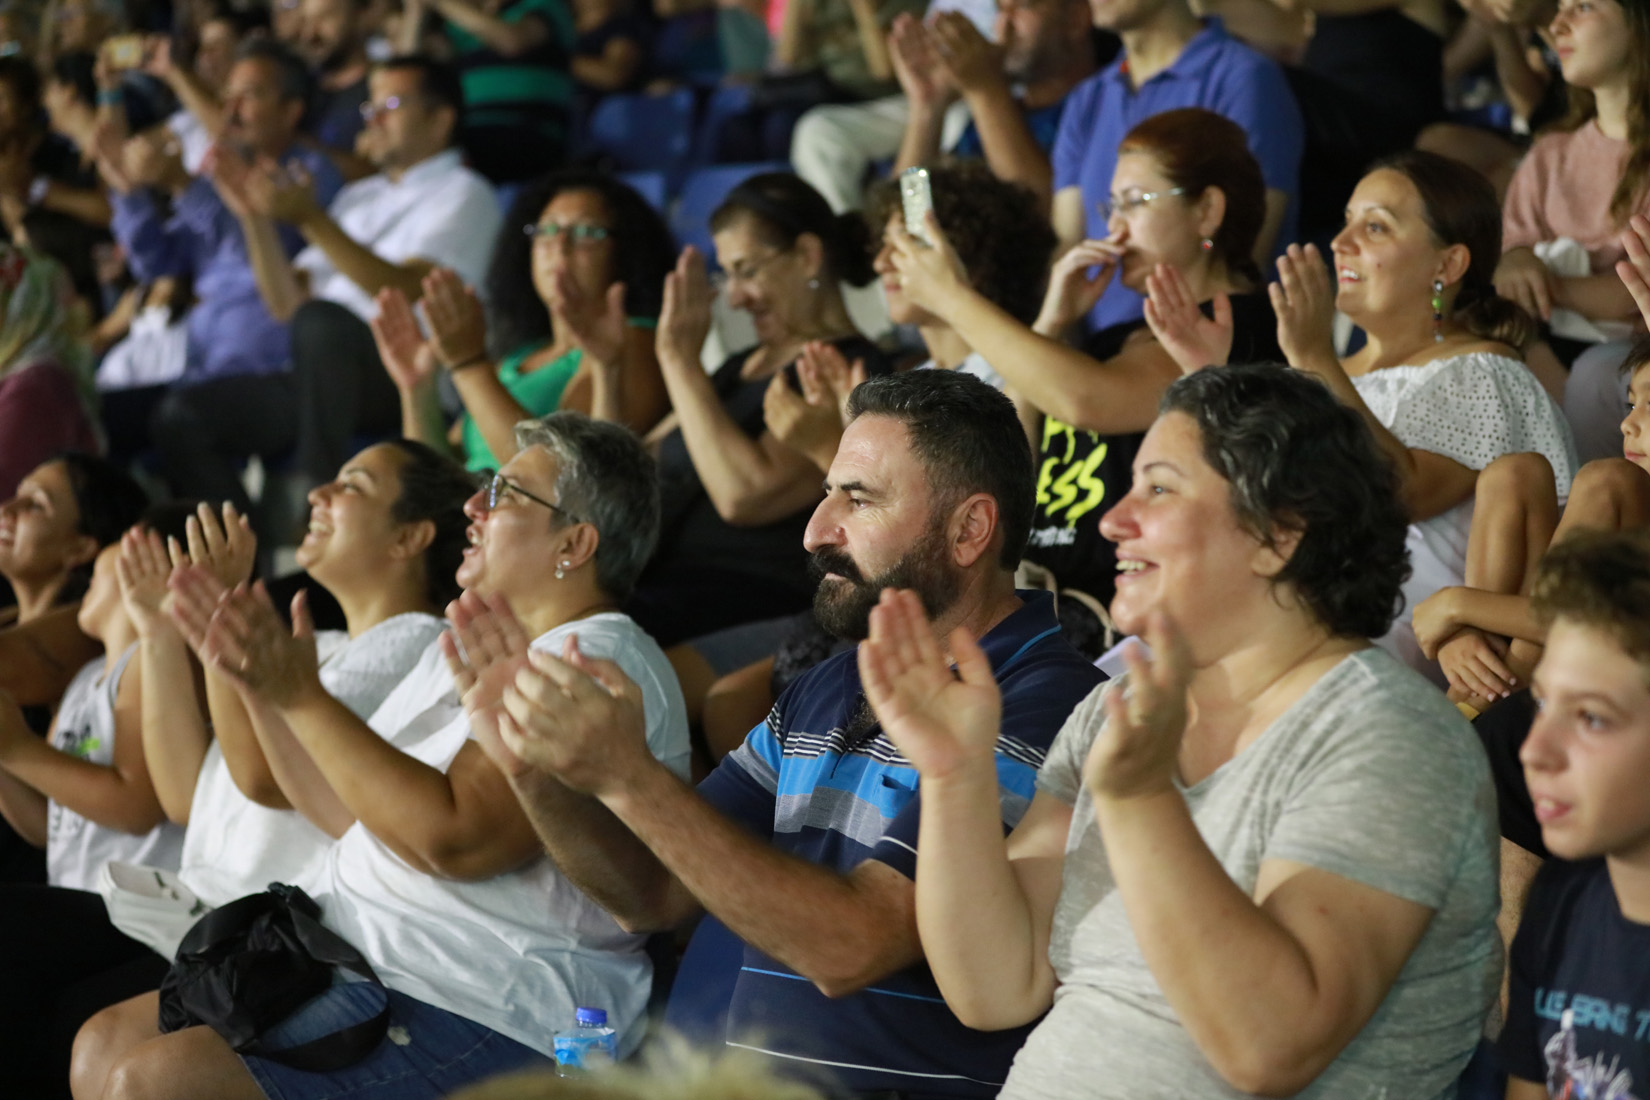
1438, 311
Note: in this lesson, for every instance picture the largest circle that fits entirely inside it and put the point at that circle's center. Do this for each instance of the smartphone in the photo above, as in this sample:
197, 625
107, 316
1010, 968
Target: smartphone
124, 51
917, 199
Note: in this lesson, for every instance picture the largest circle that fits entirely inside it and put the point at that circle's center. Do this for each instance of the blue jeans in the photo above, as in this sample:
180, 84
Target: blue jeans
428, 1052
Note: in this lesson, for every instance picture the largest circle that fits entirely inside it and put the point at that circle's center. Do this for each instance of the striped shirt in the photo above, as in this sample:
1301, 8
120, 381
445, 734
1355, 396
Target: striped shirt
819, 778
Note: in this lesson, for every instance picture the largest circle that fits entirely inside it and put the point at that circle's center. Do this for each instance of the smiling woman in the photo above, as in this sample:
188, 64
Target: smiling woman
1248, 849
1440, 380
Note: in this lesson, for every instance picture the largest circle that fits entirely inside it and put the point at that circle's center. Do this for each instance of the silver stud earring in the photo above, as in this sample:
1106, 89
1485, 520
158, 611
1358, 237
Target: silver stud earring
813, 284
561, 570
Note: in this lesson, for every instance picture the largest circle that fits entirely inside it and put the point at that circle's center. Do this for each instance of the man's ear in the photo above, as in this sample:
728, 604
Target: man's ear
973, 529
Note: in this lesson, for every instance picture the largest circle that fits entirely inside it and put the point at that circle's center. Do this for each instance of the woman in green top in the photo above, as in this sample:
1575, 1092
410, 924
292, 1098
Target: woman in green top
575, 290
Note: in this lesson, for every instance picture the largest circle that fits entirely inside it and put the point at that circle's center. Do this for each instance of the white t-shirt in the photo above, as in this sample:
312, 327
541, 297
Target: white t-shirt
1472, 408
438, 211
1370, 775
517, 953
77, 848
976, 365
234, 846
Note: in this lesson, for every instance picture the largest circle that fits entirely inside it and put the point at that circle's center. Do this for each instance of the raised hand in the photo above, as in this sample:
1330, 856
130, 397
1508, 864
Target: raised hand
1635, 269
1137, 752
972, 62
811, 428
596, 321
458, 324
231, 174
485, 648
248, 643
229, 549
684, 319
1193, 340
1304, 300
195, 593
918, 70
1523, 278
283, 191
944, 723
577, 718
928, 274
1072, 291
826, 375
408, 359
143, 568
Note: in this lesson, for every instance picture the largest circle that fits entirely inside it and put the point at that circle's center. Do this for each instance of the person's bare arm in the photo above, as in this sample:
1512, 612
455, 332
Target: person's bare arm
749, 481
873, 41
614, 69
118, 795
84, 204
976, 68
511, 39
39, 658
23, 807
1598, 297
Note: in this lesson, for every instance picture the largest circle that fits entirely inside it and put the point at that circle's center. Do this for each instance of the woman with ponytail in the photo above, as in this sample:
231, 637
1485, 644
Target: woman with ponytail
736, 499
1440, 379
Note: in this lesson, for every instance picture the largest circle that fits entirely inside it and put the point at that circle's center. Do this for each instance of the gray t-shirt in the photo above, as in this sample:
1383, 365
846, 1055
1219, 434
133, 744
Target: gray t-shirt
1370, 775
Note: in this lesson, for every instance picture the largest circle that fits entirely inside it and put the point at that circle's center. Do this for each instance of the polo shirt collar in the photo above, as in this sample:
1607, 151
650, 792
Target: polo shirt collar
1007, 643
1191, 60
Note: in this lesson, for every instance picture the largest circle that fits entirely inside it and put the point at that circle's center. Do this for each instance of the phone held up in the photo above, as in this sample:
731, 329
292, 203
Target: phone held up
916, 199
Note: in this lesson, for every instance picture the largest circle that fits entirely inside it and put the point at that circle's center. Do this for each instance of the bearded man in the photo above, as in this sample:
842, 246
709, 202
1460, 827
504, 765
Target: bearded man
803, 842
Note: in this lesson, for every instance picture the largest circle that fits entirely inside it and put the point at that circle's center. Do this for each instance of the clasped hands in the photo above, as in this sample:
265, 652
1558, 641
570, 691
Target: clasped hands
947, 722
575, 718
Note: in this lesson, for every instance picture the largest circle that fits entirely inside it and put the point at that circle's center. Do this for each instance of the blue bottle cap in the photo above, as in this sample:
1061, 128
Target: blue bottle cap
591, 1017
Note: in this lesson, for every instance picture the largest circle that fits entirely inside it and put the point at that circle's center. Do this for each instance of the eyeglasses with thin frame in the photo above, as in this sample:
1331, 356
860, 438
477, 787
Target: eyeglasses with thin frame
746, 273
1126, 204
577, 233
370, 110
498, 486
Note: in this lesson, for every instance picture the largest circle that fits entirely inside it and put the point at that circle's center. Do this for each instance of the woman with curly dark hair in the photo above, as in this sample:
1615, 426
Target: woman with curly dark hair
574, 295
1263, 860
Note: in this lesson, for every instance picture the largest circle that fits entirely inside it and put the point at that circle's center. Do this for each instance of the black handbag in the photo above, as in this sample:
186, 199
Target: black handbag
248, 965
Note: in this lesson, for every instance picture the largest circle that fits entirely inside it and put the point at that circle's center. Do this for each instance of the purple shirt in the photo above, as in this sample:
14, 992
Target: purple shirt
1215, 71
231, 331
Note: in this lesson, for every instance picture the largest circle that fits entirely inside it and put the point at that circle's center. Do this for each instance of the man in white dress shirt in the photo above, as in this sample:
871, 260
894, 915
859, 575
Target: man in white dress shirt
422, 210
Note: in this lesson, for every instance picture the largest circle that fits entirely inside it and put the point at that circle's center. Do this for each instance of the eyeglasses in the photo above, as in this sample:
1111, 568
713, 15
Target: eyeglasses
745, 273
370, 111
1124, 205
576, 234
498, 486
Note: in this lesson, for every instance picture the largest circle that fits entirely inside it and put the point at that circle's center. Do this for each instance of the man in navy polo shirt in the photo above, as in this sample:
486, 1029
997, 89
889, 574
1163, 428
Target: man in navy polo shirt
1170, 59
804, 841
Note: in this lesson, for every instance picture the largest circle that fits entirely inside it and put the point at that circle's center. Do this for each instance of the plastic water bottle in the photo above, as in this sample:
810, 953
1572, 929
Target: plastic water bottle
590, 1045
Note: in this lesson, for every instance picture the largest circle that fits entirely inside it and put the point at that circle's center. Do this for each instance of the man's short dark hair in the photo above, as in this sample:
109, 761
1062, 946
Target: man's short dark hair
292, 76
969, 439
438, 82
1298, 460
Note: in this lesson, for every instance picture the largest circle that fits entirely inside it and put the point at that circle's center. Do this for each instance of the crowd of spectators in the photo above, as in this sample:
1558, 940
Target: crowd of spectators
1180, 466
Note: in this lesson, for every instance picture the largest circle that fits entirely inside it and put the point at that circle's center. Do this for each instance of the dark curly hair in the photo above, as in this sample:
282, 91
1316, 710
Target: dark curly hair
434, 488
782, 207
1299, 461
644, 254
1005, 243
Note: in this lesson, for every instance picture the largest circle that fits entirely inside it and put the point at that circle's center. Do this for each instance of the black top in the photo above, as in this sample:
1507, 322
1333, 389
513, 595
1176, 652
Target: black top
1080, 473
1383, 57
693, 533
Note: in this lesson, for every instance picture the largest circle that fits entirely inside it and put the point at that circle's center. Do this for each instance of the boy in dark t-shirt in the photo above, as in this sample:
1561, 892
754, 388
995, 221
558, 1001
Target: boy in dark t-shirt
1578, 1018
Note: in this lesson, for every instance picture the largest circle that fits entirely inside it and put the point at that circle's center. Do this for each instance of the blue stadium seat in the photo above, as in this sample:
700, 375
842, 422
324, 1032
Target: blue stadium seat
702, 192
721, 104
644, 133
652, 186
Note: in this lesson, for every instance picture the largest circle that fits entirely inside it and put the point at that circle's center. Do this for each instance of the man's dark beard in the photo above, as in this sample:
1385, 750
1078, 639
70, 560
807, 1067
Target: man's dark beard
843, 607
